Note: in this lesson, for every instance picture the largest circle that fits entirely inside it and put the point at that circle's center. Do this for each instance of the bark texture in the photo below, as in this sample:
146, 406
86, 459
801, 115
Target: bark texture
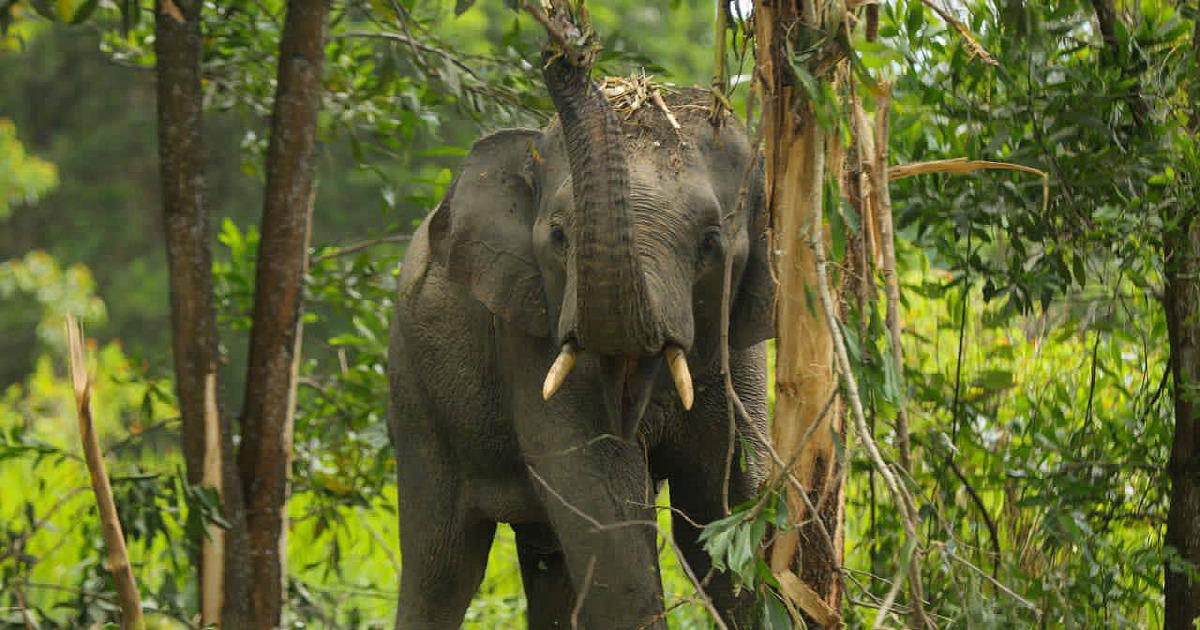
264, 458
806, 426
1181, 249
207, 434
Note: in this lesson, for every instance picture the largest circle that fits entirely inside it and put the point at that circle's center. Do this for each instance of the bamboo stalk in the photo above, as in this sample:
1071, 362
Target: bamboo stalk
114, 538
891, 283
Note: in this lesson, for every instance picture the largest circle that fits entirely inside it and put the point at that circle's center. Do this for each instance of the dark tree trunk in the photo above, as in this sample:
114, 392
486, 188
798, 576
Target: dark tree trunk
265, 455
1181, 250
207, 434
1181, 303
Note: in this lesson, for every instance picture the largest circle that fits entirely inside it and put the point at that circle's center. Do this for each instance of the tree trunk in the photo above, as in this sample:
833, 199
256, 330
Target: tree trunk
1181, 252
207, 434
265, 455
1181, 302
807, 423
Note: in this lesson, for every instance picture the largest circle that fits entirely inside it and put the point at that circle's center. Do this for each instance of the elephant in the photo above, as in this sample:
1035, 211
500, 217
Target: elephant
551, 313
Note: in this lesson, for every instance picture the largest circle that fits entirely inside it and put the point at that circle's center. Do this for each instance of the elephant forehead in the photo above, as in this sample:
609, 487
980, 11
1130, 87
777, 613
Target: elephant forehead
686, 199
654, 195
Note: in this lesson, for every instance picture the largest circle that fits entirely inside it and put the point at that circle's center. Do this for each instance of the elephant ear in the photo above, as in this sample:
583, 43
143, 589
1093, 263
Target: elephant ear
482, 232
752, 317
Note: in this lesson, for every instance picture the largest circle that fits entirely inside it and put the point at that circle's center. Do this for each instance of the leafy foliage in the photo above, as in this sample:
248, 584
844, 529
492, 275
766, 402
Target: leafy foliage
23, 178
1034, 339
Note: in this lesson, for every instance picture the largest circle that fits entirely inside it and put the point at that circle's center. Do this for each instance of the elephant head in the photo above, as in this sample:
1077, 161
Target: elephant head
607, 234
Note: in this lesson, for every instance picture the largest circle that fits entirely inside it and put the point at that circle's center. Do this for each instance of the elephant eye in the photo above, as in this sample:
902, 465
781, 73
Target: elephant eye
710, 243
558, 237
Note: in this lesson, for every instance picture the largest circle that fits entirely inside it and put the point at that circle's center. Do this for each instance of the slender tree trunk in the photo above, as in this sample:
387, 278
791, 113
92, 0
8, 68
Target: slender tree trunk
207, 435
807, 426
1181, 251
1181, 302
265, 455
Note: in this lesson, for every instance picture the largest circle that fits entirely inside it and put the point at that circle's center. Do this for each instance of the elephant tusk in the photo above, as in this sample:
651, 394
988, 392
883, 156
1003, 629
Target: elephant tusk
680, 374
559, 371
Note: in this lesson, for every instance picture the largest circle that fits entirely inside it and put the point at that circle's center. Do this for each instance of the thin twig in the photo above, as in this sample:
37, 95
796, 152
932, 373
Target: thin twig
415, 44
656, 96
897, 583
672, 509
962, 331
31, 622
596, 525
704, 598
129, 439
720, 25
17, 547
966, 33
999, 585
891, 283
708, 604
899, 493
358, 247
983, 511
42, 586
583, 593
731, 397
1087, 417
374, 533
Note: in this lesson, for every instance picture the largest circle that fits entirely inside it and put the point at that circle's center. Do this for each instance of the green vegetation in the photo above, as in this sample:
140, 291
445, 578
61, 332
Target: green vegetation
1036, 345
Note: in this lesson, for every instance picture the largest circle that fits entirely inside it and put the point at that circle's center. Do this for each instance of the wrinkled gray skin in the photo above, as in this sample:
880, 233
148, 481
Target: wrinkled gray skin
491, 288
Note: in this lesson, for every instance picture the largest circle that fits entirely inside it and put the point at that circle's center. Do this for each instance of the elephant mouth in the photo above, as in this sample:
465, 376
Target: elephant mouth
628, 383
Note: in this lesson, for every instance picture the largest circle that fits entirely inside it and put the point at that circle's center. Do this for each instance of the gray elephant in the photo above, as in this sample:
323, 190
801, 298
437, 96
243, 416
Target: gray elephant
553, 310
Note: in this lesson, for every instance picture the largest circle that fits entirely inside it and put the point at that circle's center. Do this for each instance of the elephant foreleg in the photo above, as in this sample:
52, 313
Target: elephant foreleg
600, 504
551, 600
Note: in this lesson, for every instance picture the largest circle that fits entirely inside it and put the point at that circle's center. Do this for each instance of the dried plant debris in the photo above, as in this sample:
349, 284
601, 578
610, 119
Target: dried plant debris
627, 95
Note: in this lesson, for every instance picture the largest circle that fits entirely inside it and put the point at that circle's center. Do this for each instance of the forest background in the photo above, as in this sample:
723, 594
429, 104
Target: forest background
1035, 339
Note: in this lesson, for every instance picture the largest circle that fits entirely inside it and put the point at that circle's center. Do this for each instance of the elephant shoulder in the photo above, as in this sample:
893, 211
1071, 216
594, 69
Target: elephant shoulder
416, 259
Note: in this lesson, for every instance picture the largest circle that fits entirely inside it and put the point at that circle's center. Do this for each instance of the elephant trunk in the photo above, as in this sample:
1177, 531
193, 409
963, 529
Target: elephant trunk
608, 307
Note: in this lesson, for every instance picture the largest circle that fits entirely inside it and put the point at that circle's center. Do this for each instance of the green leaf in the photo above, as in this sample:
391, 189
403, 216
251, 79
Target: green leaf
75, 11
995, 379
775, 613
915, 18
44, 9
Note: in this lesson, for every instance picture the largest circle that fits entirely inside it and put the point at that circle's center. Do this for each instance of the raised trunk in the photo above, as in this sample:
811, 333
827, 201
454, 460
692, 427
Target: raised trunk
609, 306
265, 456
